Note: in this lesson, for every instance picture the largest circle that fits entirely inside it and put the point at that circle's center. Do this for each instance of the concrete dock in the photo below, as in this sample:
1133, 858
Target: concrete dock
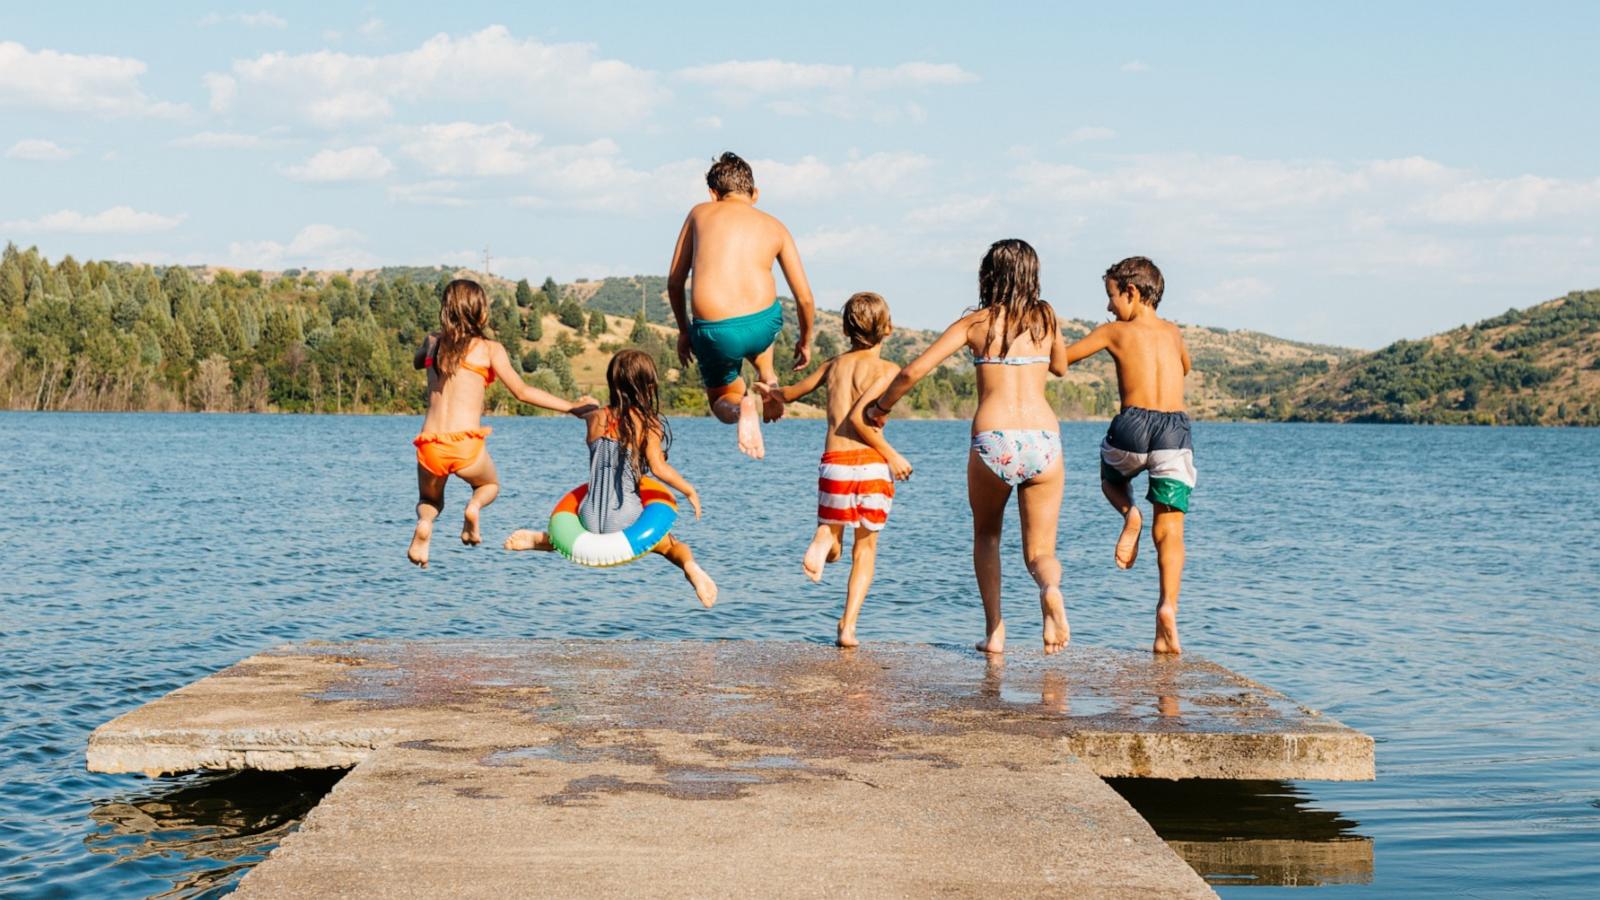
610, 768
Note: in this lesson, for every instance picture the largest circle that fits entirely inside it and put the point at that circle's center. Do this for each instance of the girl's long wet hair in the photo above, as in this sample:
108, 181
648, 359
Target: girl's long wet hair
463, 316
1008, 286
635, 405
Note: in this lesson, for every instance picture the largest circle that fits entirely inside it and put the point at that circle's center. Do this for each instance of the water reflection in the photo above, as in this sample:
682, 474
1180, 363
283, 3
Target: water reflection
1251, 832
226, 822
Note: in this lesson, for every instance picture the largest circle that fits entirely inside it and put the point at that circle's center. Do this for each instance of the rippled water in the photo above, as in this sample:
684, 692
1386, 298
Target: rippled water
1434, 587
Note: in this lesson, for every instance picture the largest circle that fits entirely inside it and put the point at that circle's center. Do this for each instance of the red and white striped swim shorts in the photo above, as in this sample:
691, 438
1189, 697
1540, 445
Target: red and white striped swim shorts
854, 487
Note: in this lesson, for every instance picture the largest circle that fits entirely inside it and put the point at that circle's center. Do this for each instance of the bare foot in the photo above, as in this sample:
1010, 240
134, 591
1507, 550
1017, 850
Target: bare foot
1166, 631
704, 587
847, 636
1128, 541
995, 642
418, 552
1056, 630
750, 443
469, 527
526, 539
821, 552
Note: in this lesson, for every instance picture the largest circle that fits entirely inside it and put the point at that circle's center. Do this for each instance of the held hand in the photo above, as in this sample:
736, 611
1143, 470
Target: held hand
802, 355
583, 406
874, 414
899, 467
685, 348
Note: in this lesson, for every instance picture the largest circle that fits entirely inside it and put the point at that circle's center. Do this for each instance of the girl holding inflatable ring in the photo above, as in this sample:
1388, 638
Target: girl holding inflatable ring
621, 513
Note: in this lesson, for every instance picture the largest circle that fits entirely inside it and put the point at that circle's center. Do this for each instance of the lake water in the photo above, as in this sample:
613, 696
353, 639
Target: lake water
1434, 587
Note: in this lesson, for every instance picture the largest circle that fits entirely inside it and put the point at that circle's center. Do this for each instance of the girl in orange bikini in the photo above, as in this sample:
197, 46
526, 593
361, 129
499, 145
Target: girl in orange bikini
462, 362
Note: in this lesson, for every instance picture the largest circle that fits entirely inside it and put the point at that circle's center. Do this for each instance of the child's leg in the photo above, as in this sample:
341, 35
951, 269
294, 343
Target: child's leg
1168, 534
1039, 502
767, 373
1116, 491
485, 482
863, 560
987, 495
826, 545
430, 502
682, 557
528, 539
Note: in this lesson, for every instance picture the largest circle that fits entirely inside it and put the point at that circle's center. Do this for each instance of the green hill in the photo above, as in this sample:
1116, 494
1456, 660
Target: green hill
1534, 366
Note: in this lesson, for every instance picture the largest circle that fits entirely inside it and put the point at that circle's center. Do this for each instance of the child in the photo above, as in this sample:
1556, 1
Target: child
1152, 430
625, 432
462, 362
1016, 438
729, 245
855, 481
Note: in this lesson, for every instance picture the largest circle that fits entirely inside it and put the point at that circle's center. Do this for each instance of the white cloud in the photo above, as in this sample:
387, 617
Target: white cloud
830, 89
569, 83
443, 192
313, 247
219, 140
1090, 133
1234, 292
1133, 65
710, 123
916, 74
1526, 198
349, 164
261, 19
809, 179
36, 150
116, 220
67, 82
466, 148
371, 28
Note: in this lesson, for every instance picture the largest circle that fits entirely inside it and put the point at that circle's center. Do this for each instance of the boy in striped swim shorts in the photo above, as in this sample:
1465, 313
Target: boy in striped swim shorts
855, 480
1151, 433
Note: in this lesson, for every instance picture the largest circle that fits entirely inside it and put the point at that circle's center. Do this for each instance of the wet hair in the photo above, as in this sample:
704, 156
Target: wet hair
463, 316
731, 175
635, 405
866, 320
1008, 286
1139, 272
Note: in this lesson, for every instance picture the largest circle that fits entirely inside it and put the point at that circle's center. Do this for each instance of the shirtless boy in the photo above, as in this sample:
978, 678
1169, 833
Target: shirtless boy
730, 246
1152, 430
855, 480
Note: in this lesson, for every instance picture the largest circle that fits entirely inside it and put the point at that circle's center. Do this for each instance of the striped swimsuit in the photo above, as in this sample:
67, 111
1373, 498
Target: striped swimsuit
854, 487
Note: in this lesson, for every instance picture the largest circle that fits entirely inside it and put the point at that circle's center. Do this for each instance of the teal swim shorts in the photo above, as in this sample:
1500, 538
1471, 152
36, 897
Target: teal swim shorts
722, 345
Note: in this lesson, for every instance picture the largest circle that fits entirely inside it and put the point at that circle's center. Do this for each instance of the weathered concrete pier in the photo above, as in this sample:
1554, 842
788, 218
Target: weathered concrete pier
610, 768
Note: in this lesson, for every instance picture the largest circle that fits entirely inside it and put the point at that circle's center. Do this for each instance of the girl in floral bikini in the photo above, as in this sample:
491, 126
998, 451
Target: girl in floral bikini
462, 362
1016, 437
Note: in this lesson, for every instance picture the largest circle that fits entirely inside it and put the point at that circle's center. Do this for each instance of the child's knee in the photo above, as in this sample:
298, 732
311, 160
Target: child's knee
1042, 565
1167, 529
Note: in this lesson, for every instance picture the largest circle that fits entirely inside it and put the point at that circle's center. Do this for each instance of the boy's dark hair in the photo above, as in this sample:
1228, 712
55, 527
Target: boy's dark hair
866, 320
731, 175
1139, 272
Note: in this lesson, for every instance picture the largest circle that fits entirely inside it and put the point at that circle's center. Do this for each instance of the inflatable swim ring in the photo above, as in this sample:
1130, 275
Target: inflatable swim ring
587, 548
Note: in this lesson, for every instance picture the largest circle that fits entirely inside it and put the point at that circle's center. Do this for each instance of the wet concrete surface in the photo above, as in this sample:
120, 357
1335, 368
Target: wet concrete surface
606, 768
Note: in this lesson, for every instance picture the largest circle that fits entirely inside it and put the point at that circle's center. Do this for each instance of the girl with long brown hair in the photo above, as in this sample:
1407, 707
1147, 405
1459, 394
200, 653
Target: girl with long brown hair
629, 438
1016, 437
462, 360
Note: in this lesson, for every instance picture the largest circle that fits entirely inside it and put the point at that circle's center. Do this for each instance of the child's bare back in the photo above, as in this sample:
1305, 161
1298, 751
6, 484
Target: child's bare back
731, 247
1151, 362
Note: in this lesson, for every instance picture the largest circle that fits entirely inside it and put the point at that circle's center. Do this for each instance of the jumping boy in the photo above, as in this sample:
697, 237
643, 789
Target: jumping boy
855, 480
730, 246
1152, 430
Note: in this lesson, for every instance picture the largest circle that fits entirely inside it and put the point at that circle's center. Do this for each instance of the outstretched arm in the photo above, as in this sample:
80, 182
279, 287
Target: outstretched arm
426, 349
666, 474
677, 280
953, 339
873, 437
1088, 345
791, 393
1058, 354
1184, 350
529, 394
804, 308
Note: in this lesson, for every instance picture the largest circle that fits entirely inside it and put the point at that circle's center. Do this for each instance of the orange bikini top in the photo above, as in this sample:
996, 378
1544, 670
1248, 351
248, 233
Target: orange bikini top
485, 373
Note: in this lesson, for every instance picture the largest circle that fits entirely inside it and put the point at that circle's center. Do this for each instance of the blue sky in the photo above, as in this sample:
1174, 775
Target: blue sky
1346, 175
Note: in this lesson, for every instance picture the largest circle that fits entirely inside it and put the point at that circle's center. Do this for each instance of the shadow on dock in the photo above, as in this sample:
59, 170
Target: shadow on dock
225, 822
1251, 832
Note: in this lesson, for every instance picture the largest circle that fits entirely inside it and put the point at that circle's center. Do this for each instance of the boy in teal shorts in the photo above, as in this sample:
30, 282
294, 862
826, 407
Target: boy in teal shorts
730, 247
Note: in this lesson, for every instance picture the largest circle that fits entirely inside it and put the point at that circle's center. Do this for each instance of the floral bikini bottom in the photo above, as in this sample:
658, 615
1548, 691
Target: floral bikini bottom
1016, 455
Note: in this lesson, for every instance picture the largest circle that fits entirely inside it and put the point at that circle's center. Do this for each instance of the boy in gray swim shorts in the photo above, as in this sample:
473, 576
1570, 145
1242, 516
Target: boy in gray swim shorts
1151, 433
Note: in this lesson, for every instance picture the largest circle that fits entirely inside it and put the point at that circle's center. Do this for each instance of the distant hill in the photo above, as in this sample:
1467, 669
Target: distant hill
1533, 366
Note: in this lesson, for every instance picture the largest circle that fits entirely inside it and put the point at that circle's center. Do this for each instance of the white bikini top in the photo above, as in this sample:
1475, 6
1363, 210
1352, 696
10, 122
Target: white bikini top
1008, 360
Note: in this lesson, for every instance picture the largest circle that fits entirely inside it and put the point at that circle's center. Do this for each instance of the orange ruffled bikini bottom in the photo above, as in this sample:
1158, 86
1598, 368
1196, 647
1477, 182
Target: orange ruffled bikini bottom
445, 454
